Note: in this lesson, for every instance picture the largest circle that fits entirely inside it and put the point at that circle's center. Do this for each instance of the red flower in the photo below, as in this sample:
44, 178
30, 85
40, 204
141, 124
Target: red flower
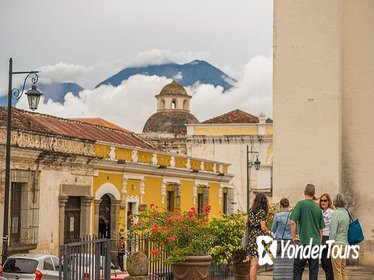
206, 209
172, 238
154, 228
178, 233
155, 252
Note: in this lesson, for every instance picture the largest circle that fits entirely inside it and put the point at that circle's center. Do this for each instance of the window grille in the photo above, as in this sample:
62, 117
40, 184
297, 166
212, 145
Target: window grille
231, 201
24, 208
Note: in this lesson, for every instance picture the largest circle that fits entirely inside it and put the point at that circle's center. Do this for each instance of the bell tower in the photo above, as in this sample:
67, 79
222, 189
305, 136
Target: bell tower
173, 97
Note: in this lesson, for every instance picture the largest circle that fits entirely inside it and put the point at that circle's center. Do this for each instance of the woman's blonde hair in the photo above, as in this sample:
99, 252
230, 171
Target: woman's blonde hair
328, 199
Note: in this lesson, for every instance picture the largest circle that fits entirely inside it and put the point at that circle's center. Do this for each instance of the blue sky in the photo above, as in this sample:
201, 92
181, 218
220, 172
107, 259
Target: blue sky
85, 41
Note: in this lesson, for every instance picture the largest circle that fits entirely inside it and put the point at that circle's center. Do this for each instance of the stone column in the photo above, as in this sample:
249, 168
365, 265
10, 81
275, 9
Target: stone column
163, 191
194, 193
96, 216
61, 219
114, 216
85, 215
142, 190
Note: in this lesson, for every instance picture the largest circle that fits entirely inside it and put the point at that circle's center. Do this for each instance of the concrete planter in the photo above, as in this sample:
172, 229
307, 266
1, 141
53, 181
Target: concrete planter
193, 268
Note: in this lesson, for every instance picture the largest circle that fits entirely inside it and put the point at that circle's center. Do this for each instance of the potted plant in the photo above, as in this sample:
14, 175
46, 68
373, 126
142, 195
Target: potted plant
227, 244
185, 237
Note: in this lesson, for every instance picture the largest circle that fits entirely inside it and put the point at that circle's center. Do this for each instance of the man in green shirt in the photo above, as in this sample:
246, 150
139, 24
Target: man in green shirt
307, 216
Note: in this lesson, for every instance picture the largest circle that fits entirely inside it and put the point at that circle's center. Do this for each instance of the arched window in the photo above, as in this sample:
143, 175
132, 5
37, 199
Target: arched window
162, 104
185, 104
104, 217
173, 104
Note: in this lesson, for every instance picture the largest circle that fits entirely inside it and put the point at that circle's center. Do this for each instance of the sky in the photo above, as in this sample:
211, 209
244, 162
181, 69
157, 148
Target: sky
86, 41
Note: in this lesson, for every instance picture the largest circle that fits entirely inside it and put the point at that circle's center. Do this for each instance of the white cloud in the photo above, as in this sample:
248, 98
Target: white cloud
253, 93
85, 76
133, 102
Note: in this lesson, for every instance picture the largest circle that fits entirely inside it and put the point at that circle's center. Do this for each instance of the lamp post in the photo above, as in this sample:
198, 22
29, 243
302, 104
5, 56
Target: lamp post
252, 160
33, 96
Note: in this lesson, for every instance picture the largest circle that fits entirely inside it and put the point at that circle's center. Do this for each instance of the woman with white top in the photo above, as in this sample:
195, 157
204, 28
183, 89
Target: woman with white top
325, 203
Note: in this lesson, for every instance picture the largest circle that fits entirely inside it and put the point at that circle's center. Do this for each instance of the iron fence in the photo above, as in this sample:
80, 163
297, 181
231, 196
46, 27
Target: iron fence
157, 269
87, 259
91, 259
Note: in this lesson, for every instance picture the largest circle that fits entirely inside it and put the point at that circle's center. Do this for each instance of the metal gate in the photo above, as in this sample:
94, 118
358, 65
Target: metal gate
87, 259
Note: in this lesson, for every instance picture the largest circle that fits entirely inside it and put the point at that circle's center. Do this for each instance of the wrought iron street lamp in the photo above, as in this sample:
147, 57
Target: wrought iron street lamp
252, 160
33, 96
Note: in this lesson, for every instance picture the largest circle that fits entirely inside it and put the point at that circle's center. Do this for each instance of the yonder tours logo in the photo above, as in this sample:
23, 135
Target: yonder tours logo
267, 250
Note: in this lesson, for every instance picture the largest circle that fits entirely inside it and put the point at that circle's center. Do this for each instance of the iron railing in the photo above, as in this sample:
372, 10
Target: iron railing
92, 259
140, 243
87, 259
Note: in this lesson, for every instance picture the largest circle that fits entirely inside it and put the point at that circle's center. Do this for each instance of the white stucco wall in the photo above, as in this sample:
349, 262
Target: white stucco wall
233, 149
307, 97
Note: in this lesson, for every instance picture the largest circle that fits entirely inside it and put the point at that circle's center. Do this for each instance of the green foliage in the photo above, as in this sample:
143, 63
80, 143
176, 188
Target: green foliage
228, 232
178, 234
274, 208
227, 243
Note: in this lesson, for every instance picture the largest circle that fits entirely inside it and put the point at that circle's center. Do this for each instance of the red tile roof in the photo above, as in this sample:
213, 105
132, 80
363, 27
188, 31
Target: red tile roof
100, 122
236, 116
41, 123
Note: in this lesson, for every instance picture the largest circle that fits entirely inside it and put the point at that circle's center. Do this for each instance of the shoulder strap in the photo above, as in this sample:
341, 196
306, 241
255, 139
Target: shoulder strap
350, 217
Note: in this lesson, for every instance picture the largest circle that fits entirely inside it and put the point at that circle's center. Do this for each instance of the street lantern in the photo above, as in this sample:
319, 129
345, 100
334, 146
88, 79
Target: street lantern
257, 163
33, 96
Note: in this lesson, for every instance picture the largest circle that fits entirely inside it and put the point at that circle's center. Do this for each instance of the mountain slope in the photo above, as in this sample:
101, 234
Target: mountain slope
57, 91
54, 91
197, 71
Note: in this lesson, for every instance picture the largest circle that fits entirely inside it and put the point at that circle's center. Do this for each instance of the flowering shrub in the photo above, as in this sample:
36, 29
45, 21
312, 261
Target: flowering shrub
179, 234
227, 242
228, 232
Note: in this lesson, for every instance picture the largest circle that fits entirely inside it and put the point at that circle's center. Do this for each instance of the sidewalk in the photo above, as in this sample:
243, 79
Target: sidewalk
354, 273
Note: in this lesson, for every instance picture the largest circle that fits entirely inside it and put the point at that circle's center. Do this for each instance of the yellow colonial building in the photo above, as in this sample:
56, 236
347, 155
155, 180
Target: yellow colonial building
70, 178
127, 178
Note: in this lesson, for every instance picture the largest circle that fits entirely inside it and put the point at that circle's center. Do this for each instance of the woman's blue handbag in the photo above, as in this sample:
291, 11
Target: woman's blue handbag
355, 234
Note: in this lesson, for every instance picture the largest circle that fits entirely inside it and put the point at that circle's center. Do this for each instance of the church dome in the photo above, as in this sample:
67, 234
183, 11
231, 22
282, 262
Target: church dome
173, 111
173, 89
169, 122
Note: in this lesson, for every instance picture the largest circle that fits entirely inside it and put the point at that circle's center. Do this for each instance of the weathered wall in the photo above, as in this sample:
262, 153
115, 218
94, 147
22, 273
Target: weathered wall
358, 114
323, 103
60, 161
51, 180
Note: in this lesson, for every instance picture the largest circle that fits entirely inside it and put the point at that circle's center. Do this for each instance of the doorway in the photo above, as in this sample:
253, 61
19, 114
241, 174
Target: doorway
72, 219
104, 217
131, 210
